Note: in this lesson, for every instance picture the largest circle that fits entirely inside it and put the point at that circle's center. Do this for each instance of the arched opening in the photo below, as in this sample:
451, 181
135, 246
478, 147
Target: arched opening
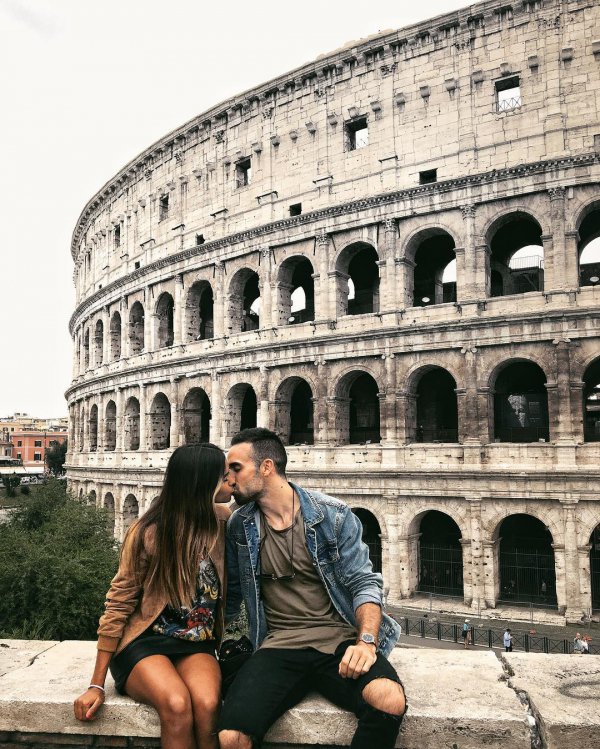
296, 291
371, 535
109, 506
517, 256
357, 417
294, 412
110, 427
440, 555
93, 427
132, 424
358, 279
164, 313
115, 336
199, 311
435, 270
588, 249
92, 498
196, 416
99, 343
526, 562
436, 407
244, 302
591, 403
521, 404
86, 349
239, 410
136, 328
595, 567
131, 511
160, 423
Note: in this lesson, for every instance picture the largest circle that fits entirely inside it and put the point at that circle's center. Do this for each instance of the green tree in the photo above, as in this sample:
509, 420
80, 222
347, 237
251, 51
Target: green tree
55, 457
10, 484
57, 558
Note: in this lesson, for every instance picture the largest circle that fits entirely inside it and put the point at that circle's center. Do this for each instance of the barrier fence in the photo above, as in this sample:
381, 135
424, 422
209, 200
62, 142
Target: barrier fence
484, 637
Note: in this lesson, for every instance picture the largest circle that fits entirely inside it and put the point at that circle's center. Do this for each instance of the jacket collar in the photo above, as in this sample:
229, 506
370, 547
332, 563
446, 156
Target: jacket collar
311, 512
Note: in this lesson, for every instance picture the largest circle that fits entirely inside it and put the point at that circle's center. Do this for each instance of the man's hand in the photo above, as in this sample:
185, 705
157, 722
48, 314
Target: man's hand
357, 660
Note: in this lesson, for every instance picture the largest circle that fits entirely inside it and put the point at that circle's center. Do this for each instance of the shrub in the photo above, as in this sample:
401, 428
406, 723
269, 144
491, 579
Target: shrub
25, 489
57, 558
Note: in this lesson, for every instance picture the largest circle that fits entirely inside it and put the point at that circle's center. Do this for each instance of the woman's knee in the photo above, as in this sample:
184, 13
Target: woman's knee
176, 707
385, 695
234, 740
206, 702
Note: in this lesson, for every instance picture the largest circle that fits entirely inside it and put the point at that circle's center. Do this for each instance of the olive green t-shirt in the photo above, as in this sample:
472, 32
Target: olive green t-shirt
299, 612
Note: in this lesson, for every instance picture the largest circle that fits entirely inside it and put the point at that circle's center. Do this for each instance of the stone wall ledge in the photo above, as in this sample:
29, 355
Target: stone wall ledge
457, 700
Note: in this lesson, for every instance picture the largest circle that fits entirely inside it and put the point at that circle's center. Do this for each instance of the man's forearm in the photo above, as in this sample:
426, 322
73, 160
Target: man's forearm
368, 619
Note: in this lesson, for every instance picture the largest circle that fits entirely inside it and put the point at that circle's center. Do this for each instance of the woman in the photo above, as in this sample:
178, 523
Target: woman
164, 610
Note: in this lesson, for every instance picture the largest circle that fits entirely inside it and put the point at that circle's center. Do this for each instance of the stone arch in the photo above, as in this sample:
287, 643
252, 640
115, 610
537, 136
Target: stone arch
432, 253
199, 312
516, 259
243, 301
136, 328
240, 409
115, 336
594, 543
591, 402
357, 417
98, 343
294, 412
432, 407
588, 244
520, 402
130, 513
371, 535
165, 312
132, 424
295, 291
93, 428
357, 278
160, 422
109, 506
526, 565
196, 416
92, 497
436, 554
110, 426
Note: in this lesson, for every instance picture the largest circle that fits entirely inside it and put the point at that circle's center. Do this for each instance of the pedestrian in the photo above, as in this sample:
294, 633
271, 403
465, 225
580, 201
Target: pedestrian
508, 641
315, 607
578, 644
466, 633
163, 616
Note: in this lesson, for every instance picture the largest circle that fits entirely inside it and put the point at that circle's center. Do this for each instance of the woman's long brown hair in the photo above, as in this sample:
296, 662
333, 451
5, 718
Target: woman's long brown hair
185, 521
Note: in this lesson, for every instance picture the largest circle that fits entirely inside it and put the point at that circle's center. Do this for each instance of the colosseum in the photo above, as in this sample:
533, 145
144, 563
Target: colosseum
389, 256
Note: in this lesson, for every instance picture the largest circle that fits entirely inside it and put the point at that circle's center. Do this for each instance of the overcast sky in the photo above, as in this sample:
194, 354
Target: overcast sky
86, 86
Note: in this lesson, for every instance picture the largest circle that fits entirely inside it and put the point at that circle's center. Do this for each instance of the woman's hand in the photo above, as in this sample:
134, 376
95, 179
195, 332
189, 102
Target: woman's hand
86, 706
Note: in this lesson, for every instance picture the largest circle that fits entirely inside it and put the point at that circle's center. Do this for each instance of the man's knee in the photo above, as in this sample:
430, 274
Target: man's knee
234, 740
385, 695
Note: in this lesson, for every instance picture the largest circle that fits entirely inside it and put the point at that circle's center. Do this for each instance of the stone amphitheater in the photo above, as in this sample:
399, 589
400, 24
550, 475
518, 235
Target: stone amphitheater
389, 257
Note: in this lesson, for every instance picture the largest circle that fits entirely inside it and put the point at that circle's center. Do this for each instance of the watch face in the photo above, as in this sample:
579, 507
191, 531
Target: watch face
369, 639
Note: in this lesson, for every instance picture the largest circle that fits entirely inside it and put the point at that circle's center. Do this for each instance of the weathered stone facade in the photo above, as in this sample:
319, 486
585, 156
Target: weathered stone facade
339, 195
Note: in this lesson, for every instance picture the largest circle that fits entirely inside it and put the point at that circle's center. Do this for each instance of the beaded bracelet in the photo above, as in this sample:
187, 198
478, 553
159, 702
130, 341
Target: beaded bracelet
96, 686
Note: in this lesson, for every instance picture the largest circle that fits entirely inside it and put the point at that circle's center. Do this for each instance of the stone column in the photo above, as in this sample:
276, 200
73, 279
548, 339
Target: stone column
219, 301
106, 336
585, 577
560, 395
216, 431
485, 410
337, 419
322, 305
388, 296
467, 563
405, 282
571, 250
390, 555
86, 425
101, 422
469, 420
150, 329
491, 579
178, 311
143, 419
266, 301
175, 432
477, 576
263, 398
321, 430
338, 294
482, 274
469, 284
120, 420
388, 402
573, 596
560, 565
124, 312
404, 408
400, 582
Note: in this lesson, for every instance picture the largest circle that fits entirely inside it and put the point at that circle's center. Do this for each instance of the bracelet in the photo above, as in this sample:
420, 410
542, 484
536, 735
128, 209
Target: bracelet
97, 686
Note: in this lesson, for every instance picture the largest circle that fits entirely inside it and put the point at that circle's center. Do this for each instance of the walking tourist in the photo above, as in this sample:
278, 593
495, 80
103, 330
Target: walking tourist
164, 610
508, 641
314, 604
466, 633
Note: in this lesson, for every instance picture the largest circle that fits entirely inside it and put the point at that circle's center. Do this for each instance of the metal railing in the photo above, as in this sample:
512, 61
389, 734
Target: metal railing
528, 642
505, 105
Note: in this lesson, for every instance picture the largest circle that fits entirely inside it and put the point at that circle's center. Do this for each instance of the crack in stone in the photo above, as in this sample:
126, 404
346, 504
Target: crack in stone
533, 716
31, 660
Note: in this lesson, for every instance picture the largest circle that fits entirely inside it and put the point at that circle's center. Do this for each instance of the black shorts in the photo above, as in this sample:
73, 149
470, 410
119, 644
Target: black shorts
150, 643
273, 680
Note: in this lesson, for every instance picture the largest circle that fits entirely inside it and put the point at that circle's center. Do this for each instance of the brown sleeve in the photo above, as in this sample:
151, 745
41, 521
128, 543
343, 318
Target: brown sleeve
123, 595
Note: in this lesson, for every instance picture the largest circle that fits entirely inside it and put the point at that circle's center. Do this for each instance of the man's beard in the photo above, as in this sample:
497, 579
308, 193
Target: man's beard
245, 499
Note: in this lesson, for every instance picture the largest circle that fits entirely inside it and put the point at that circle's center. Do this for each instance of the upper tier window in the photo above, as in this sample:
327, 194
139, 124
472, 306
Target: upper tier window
508, 94
357, 134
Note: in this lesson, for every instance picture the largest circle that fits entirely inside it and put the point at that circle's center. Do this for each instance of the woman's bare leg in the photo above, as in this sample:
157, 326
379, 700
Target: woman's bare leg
155, 681
202, 676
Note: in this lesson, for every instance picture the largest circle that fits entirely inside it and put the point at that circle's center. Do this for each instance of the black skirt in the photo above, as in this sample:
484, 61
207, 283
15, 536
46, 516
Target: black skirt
151, 643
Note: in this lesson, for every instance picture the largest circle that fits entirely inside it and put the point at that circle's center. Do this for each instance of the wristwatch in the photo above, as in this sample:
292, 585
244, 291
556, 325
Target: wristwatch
368, 638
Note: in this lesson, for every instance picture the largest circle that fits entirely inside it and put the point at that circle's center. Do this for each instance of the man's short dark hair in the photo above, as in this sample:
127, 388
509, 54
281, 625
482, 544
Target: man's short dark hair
265, 444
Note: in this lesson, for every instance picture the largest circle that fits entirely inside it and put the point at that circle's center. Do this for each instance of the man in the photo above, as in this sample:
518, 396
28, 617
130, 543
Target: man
314, 604
508, 640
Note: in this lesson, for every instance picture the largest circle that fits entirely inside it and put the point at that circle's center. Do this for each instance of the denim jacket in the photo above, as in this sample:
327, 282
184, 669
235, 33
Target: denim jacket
333, 538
